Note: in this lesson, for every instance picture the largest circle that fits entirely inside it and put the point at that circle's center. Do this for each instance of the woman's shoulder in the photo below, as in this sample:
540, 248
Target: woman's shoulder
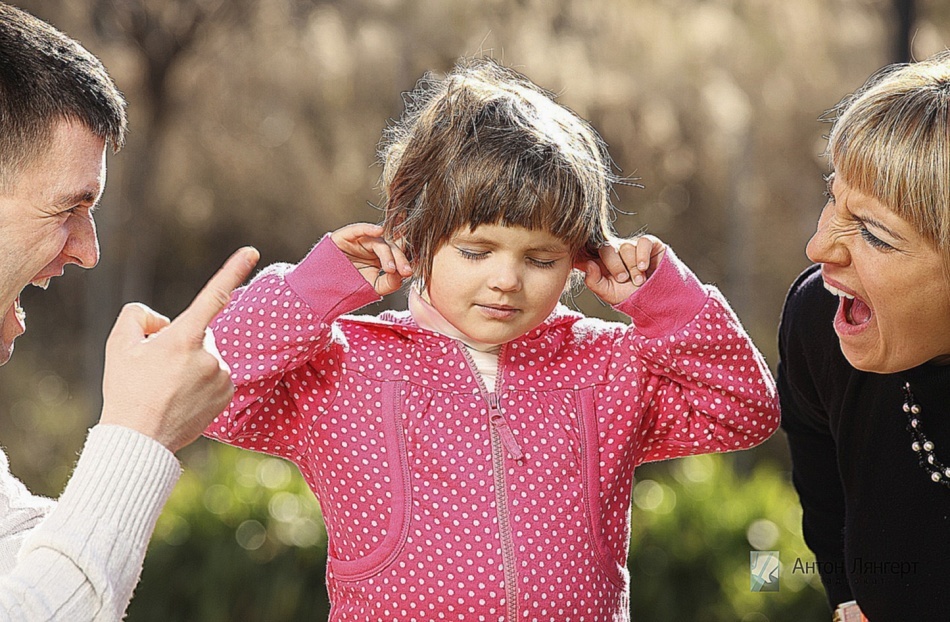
812, 371
809, 310
807, 293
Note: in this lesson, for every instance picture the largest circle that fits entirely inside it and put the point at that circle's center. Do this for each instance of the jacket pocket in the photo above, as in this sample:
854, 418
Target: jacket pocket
590, 474
391, 545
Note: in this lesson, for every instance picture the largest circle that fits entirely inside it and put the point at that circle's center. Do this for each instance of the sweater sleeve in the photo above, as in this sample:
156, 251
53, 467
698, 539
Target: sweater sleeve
278, 337
698, 382
20, 512
802, 336
83, 560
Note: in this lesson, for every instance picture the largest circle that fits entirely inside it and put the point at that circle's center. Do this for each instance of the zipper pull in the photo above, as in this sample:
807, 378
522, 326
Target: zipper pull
504, 430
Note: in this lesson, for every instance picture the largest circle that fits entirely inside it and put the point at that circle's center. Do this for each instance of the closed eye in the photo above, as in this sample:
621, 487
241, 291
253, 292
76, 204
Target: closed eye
873, 240
472, 255
538, 263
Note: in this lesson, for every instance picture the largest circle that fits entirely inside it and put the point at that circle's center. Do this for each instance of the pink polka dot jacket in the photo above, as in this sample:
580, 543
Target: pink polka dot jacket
445, 501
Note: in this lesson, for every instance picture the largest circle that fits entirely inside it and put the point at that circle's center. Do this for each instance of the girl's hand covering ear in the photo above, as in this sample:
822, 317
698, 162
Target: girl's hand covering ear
622, 267
382, 263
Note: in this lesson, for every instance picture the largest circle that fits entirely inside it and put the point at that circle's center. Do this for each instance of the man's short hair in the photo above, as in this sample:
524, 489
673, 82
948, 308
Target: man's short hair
47, 77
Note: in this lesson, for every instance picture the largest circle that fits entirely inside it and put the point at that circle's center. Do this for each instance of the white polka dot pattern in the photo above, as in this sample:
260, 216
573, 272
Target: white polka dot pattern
390, 427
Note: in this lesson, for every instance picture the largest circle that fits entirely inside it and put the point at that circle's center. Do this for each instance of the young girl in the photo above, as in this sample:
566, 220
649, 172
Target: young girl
474, 455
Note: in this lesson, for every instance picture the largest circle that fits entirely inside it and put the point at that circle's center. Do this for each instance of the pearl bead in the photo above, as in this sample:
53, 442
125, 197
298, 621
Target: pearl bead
935, 477
915, 446
930, 459
915, 409
906, 407
913, 423
928, 446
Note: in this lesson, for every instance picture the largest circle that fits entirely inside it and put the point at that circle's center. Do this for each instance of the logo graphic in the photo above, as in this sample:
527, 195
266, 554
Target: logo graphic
764, 571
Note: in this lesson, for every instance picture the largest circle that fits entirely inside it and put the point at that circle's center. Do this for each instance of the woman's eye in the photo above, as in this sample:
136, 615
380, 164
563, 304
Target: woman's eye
875, 241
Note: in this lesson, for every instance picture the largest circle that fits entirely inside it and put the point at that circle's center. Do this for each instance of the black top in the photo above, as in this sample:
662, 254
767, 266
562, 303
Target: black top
878, 524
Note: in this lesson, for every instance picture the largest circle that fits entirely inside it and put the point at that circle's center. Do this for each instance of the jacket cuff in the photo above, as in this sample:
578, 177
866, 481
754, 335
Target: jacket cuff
325, 275
667, 301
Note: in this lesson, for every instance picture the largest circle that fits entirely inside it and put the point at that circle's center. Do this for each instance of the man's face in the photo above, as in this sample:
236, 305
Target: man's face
46, 221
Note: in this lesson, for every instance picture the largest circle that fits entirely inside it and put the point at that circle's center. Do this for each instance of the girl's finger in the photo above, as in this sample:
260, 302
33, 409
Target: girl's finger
384, 252
644, 252
592, 273
614, 264
351, 235
402, 263
387, 282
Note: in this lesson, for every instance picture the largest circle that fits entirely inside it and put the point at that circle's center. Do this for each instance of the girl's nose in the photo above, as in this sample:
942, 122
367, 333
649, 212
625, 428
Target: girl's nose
823, 247
506, 278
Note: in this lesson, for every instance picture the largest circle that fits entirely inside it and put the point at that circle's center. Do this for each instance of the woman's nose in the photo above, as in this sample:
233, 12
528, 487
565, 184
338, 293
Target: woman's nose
82, 247
822, 247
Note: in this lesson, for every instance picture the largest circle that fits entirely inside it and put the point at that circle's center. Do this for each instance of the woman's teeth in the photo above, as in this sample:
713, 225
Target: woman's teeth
20, 313
838, 292
41, 283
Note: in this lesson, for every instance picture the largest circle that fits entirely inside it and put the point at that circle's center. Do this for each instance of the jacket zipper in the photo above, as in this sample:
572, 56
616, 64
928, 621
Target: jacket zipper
500, 425
502, 440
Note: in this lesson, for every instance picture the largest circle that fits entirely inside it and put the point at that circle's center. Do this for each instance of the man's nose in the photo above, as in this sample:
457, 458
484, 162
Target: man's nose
82, 247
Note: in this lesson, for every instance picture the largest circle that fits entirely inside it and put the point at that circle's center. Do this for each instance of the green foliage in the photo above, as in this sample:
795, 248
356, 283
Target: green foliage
695, 523
242, 538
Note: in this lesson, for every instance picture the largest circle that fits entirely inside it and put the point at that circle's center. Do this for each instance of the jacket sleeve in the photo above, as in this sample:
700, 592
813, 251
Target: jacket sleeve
695, 381
278, 338
82, 561
812, 446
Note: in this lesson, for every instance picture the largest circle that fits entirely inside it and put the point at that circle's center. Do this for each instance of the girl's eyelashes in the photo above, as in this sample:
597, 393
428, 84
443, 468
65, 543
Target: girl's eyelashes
479, 255
472, 255
542, 264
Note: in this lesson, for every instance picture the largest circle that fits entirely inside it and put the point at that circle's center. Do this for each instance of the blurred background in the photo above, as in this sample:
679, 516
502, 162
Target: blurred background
257, 122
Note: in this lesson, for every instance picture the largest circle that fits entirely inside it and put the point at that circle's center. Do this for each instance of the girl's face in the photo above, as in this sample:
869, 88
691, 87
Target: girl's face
894, 301
496, 283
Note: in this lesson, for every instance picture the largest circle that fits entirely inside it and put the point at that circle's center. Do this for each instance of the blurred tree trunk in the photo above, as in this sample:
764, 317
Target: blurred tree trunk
134, 223
906, 12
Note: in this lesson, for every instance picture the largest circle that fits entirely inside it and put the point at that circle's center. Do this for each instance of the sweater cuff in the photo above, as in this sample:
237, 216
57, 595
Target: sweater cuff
325, 276
667, 301
105, 517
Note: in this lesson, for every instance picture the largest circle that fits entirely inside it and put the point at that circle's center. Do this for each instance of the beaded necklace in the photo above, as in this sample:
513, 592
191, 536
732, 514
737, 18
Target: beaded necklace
939, 472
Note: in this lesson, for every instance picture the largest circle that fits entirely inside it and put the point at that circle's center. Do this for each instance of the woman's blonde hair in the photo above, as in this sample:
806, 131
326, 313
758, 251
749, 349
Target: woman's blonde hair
891, 140
485, 145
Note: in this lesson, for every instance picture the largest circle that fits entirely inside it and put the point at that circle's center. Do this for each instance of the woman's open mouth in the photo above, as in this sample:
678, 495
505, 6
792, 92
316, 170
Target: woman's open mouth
853, 313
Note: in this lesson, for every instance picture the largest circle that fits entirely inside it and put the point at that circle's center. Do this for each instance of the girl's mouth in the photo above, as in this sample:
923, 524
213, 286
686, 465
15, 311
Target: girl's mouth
499, 312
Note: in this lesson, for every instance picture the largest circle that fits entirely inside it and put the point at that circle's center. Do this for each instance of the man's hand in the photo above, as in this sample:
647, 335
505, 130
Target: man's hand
165, 378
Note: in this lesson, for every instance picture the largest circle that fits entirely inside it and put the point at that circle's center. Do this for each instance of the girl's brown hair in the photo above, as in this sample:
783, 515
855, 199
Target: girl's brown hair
485, 145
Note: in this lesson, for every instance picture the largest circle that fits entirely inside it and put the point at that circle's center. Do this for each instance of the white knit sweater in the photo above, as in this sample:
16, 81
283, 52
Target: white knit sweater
80, 558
